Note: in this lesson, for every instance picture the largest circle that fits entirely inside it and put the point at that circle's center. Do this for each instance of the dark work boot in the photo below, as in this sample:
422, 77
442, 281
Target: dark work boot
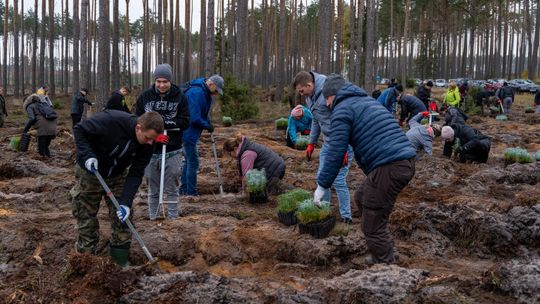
120, 256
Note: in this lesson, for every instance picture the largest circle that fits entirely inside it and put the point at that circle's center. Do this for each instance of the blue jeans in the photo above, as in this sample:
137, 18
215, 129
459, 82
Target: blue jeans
340, 184
189, 172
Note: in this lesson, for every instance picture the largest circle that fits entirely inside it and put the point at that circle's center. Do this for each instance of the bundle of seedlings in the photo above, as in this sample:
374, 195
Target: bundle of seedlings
20, 143
517, 155
302, 142
315, 220
227, 121
287, 204
529, 110
14, 143
282, 123
256, 186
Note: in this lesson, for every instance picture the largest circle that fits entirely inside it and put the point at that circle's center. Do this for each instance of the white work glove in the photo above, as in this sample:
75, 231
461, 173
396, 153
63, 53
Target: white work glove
318, 195
91, 164
123, 213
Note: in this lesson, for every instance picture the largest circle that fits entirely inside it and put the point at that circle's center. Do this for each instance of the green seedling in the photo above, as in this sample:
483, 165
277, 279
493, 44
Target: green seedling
308, 212
15, 142
282, 123
289, 201
227, 121
517, 155
256, 181
302, 142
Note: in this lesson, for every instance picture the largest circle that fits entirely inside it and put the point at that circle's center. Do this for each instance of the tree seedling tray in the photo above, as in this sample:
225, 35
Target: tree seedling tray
319, 229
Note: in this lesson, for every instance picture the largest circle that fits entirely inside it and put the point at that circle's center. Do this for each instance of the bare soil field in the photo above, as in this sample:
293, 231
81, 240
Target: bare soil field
465, 233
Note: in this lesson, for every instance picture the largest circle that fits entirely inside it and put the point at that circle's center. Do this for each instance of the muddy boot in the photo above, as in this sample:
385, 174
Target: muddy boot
120, 256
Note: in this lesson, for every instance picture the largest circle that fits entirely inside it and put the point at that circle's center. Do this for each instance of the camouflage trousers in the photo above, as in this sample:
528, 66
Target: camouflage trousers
86, 198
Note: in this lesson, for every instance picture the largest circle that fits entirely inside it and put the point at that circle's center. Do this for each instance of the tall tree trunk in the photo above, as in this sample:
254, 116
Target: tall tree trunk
127, 42
115, 63
281, 50
352, 59
23, 62
202, 39
104, 43
370, 41
76, 37
533, 72
339, 36
325, 38
85, 66
41, 78
177, 57
170, 56
266, 45
159, 32
209, 41
359, 41
146, 38
52, 84
241, 39
403, 69
528, 28
187, 43
16, 74
35, 46
4, 60
67, 33
94, 44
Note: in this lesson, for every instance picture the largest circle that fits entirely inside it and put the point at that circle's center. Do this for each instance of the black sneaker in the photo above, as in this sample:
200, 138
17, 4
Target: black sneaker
347, 220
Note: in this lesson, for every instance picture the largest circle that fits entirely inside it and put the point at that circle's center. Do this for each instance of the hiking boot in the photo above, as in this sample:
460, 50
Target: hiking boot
120, 256
347, 220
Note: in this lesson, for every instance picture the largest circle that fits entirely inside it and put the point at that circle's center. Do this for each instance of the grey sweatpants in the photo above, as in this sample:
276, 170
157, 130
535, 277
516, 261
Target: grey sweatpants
173, 167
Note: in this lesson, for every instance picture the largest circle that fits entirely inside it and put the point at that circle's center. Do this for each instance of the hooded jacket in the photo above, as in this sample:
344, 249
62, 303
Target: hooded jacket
388, 98
419, 136
452, 97
270, 161
454, 116
468, 138
372, 131
44, 127
321, 113
173, 107
410, 106
110, 137
299, 125
200, 102
423, 93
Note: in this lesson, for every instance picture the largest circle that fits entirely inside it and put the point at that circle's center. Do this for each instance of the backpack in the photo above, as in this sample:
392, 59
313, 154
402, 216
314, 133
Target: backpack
47, 111
376, 93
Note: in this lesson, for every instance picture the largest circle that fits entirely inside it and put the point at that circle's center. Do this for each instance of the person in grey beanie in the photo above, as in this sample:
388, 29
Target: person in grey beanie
168, 100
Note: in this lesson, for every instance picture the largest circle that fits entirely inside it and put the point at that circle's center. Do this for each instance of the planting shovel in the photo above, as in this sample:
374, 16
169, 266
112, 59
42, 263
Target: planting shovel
217, 163
128, 222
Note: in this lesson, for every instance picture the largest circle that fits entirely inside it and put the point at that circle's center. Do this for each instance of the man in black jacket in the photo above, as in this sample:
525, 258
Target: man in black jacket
424, 93
410, 106
168, 100
117, 100
469, 144
110, 142
77, 105
505, 96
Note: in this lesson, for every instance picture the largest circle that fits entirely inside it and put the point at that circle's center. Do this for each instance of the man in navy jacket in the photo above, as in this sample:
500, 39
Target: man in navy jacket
381, 150
199, 95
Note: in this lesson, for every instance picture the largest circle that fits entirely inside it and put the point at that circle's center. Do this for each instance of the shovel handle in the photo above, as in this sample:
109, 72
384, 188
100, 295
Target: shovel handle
128, 222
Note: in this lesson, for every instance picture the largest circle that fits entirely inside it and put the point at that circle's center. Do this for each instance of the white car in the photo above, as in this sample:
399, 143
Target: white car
441, 83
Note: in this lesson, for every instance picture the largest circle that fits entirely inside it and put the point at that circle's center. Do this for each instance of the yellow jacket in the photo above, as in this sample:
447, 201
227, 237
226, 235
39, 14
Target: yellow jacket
452, 97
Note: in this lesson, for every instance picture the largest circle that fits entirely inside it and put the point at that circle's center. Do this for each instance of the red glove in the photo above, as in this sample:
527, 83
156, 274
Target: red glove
309, 150
162, 139
346, 159
306, 132
425, 114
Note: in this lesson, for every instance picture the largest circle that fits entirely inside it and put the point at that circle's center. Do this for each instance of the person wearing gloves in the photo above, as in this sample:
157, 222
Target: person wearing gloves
199, 95
381, 150
77, 105
119, 146
117, 101
251, 155
420, 136
388, 97
470, 144
168, 100
299, 122
410, 106
310, 85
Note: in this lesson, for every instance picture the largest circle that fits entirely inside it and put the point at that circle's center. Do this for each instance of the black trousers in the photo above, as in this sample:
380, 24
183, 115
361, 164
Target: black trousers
75, 118
43, 145
376, 198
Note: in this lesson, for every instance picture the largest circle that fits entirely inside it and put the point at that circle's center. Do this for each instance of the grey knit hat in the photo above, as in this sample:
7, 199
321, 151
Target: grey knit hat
163, 70
219, 82
332, 85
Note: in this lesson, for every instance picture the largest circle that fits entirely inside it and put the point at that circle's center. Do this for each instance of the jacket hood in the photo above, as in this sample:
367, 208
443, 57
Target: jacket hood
30, 100
173, 91
346, 91
199, 82
319, 83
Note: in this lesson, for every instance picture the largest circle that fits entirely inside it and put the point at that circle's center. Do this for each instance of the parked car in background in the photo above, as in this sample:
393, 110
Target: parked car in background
492, 85
441, 83
417, 81
385, 81
520, 85
476, 83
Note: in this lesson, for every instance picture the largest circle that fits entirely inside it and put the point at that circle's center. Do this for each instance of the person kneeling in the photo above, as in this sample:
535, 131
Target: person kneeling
299, 122
471, 144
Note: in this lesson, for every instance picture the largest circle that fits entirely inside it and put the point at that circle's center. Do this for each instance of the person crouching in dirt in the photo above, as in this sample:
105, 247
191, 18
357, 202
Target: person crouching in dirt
454, 115
381, 150
420, 136
110, 142
43, 118
251, 155
470, 145
299, 122
505, 96
410, 106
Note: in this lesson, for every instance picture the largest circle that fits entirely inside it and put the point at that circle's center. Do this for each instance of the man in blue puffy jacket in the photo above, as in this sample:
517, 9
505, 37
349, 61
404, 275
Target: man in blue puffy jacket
310, 85
381, 150
388, 98
199, 94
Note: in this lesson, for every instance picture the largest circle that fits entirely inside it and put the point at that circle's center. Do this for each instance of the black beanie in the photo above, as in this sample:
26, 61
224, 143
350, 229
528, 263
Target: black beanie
332, 85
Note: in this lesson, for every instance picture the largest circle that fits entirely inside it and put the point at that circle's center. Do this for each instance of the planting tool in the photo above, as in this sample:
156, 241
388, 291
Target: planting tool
128, 222
431, 114
217, 163
162, 175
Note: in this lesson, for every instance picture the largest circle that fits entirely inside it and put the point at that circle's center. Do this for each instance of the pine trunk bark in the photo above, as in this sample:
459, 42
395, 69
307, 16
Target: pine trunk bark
187, 43
16, 74
202, 39
85, 67
370, 42
52, 84
209, 41
103, 55
115, 63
